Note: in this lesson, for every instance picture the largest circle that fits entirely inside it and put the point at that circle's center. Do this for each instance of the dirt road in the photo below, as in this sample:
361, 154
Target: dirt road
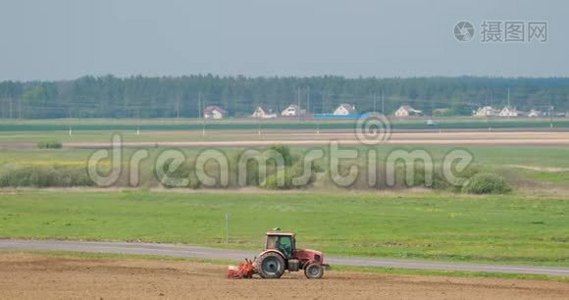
188, 251
26, 276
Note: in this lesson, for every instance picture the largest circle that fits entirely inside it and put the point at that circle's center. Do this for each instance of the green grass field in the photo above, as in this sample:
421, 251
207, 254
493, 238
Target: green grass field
58, 128
502, 229
192, 130
534, 156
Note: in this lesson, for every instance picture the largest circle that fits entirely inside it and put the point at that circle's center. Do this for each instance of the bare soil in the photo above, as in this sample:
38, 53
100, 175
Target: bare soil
302, 139
307, 138
27, 276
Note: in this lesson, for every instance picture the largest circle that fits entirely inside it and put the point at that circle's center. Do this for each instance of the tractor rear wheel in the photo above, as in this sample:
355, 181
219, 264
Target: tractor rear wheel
271, 265
314, 271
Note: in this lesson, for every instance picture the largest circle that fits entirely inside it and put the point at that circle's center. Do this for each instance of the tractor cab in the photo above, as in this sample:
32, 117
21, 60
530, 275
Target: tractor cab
282, 241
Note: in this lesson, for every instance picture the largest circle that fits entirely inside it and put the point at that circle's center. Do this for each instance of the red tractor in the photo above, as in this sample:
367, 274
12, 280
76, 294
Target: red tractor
281, 254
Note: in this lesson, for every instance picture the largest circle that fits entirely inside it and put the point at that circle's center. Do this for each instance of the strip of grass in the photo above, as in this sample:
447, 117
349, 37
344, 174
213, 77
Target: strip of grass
413, 272
250, 124
531, 156
547, 176
509, 229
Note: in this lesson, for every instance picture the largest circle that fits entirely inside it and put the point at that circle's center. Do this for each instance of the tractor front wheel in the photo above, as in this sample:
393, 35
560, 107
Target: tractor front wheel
271, 265
314, 271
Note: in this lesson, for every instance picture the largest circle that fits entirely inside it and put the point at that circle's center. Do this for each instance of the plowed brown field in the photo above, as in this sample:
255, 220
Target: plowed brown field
26, 276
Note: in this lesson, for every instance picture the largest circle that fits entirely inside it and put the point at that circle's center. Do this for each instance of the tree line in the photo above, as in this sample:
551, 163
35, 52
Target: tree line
185, 96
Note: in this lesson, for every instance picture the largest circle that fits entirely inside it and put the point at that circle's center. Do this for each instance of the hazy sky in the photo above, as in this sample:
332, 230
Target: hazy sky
67, 39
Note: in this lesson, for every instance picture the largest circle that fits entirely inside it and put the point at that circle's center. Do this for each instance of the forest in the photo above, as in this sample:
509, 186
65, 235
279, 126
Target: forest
185, 96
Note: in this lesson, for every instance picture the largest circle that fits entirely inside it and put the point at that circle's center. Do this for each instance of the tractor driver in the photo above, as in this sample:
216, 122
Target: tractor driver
285, 246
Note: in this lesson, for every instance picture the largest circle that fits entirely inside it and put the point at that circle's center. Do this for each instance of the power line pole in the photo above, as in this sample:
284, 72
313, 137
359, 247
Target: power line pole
374, 103
509, 107
227, 220
258, 118
10, 110
550, 113
491, 110
298, 103
199, 105
178, 107
382, 102
70, 133
308, 101
258, 125
138, 120
203, 117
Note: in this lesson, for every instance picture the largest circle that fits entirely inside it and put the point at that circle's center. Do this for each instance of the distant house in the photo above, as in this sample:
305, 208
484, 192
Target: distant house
486, 111
509, 112
263, 113
407, 111
214, 112
535, 114
293, 110
344, 109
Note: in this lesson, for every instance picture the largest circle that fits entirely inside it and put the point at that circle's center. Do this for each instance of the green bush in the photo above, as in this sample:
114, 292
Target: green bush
486, 183
285, 152
271, 182
253, 174
195, 183
420, 177
50, 145
441, 183
51, 176
182, 172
